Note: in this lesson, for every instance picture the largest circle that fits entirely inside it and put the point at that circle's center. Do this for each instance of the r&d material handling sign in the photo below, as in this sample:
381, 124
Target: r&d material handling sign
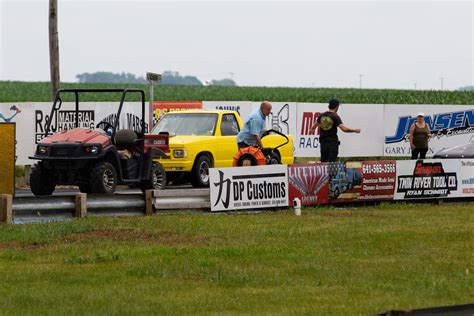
248, 187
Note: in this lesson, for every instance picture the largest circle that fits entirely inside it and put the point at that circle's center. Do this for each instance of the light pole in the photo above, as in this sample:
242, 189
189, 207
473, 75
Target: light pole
415, 85
231, 75
53, 47
442, 82
360, 80
152, 79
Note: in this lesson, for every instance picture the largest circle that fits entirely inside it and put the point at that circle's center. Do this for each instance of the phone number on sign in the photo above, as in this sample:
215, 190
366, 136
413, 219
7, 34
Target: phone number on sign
379, 168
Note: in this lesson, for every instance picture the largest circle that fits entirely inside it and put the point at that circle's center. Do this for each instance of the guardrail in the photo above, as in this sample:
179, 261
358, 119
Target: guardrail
81, 204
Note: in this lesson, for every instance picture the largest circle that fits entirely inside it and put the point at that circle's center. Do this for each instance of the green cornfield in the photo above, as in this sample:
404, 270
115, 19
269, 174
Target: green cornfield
19, 91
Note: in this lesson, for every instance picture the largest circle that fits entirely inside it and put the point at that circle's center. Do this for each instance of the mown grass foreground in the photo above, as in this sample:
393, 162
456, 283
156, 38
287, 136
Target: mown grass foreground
328, 261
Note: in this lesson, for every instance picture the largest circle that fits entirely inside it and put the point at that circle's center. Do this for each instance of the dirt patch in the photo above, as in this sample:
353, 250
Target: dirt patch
162, 238
343, 214
119, 235
21, 246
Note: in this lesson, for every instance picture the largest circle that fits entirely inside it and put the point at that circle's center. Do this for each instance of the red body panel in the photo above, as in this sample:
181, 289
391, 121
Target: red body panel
160, 141
78, 135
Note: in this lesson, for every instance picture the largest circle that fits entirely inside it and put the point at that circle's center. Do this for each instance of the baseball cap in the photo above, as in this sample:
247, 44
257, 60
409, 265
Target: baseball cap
420, 114
333, 103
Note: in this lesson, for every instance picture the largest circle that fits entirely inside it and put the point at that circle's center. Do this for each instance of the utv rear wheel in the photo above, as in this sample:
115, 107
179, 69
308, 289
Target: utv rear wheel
41, 182
157, 180
103, 178
200, 172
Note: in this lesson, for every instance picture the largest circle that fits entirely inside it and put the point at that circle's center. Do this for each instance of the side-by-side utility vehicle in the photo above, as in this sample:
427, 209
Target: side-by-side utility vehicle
98, 159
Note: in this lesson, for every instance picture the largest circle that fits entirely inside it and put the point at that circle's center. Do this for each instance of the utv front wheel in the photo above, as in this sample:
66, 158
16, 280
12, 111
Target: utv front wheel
41, 182
157, 180
103, 178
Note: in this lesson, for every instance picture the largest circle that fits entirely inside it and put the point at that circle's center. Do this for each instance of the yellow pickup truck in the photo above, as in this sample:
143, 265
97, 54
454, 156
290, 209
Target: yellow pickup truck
203, 139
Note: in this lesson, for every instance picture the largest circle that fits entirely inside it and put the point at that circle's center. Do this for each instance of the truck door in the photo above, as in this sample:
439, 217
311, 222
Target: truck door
227, 143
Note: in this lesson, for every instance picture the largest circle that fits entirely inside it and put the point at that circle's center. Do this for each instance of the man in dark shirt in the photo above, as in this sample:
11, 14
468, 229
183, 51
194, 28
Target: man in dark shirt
328, 122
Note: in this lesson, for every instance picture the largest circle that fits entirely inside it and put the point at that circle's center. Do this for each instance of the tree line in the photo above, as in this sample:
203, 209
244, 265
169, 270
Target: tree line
168, 78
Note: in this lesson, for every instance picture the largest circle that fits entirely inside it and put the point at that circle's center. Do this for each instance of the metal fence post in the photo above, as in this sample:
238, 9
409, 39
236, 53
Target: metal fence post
6, 208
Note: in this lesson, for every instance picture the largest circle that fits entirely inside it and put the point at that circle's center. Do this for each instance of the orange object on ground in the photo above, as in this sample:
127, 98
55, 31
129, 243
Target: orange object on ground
249, 156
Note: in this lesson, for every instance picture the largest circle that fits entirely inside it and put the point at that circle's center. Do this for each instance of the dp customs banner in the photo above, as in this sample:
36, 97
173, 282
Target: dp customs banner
248, 187
309, 182
424, 179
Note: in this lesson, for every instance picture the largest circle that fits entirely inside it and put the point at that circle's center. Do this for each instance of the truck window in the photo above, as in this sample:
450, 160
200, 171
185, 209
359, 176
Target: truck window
229, 125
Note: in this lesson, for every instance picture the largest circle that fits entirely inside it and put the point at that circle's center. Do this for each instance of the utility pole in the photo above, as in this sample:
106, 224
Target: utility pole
442, 82
231, 75
152, 78
53, 46
415, 85
360, 80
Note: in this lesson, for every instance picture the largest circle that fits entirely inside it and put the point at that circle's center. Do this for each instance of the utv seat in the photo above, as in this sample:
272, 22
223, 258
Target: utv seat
125, 138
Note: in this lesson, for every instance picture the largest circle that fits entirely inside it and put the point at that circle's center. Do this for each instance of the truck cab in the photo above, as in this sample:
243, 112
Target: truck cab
203, 139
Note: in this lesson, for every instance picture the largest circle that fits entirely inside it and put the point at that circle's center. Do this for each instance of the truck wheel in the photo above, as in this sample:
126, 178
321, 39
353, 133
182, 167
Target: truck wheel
41, 182
103, 178
200, 172
157, 180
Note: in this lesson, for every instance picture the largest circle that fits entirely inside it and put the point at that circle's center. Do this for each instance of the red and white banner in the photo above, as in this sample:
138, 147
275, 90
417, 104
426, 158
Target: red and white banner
309, 182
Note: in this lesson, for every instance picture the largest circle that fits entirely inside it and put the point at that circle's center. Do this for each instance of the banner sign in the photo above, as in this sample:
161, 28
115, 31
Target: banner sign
384, 127
162, 107
31, 119
450, 125
378, 180
307, 143
248, 187
368, 117
422, 179
309, 182
244, 108
345, 181
362, 181
466, 177
62, 120
282, 118
7, 163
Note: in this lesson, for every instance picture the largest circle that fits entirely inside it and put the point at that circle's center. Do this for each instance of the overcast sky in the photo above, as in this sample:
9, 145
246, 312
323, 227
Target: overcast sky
304, 44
